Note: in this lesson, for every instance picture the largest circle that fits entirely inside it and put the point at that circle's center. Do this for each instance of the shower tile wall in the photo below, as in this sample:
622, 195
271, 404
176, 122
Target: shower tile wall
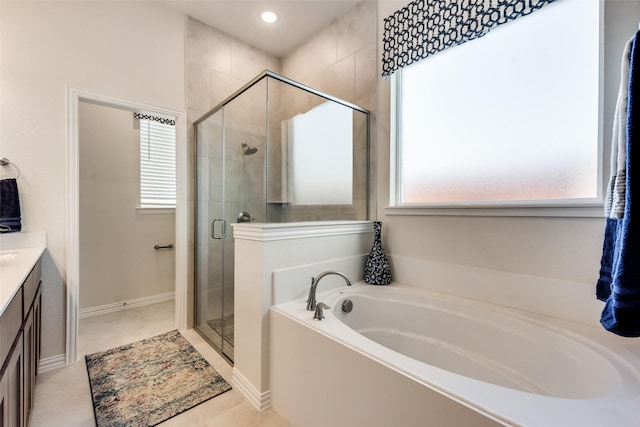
217, 65
339, 60
245, 120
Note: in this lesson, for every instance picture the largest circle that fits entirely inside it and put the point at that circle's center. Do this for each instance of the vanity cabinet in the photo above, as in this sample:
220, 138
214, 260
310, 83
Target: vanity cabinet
20, 351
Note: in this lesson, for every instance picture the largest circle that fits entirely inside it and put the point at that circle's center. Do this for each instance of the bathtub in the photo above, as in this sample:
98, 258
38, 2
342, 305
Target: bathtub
407, 356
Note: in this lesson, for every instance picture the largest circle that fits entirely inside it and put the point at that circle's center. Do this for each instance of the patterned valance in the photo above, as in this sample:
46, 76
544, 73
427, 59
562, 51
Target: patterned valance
425, 27
163, 120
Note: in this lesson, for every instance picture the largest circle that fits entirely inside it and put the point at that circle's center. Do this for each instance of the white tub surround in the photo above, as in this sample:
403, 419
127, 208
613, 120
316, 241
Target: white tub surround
410, 354
264, 252
562, 299
19, 252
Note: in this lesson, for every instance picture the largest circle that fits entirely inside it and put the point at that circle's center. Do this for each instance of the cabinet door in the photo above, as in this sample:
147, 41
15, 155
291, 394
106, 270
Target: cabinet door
4, 391
37, 329
10, 324
29, 355
15, 385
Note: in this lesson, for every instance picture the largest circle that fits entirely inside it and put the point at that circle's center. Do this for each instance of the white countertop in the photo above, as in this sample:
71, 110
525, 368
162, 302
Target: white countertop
19, 252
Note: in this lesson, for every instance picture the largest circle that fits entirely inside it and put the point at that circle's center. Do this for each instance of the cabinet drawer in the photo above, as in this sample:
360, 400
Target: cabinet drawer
30, 287
10, 324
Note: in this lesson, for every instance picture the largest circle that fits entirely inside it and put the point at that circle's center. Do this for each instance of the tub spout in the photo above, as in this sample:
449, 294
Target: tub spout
311, 301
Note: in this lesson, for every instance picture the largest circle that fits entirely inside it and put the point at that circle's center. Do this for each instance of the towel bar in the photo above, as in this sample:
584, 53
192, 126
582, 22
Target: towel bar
169, 246
6, 162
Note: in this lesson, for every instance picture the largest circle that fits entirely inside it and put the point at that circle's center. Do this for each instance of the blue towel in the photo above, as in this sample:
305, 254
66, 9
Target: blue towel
10, 219
619, 282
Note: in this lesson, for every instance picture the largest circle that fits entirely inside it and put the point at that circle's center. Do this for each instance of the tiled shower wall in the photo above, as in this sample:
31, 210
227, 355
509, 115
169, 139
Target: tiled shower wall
217, 66
340, 60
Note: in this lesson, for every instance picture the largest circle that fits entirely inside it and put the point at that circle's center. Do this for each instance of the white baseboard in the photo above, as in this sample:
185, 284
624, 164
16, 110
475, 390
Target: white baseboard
260, 400
125, 305
51, 363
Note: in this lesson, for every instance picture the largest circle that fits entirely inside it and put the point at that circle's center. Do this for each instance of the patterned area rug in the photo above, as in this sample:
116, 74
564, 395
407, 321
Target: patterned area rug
150, 381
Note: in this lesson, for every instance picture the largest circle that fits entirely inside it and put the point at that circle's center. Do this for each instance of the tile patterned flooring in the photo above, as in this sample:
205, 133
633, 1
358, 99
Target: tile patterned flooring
63, 397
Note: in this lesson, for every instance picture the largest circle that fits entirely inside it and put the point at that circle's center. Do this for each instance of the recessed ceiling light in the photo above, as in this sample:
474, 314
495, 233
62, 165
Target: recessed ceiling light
268, 16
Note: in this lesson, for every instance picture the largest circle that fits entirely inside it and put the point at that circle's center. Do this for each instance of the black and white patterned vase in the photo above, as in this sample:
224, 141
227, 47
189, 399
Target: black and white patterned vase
377, 270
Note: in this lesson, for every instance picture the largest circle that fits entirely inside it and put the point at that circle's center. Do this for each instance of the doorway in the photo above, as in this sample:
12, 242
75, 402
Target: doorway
120, 267
74, 99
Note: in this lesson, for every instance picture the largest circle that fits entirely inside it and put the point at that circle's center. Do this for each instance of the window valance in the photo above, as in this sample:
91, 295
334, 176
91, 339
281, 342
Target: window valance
425, 27
163, 120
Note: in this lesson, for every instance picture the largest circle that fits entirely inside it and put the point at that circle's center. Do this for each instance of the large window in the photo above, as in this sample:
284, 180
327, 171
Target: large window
511, 118
157, 163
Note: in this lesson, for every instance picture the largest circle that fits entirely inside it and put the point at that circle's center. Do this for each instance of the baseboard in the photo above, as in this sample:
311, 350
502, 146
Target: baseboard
260, 400
51, 363
125, 305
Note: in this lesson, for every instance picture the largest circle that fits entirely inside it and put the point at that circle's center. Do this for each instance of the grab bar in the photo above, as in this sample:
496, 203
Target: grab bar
169, 246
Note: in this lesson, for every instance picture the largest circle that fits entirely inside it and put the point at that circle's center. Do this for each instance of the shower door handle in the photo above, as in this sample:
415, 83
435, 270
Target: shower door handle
213, 228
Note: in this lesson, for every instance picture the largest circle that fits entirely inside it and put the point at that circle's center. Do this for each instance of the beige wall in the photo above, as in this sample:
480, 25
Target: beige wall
118, 261
93, 46
564, 248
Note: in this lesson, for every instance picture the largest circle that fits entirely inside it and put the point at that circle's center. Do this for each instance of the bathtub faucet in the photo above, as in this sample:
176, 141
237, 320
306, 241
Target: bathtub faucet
311, 301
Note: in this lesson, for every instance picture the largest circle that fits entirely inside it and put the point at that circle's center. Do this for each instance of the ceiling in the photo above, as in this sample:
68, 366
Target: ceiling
298, 19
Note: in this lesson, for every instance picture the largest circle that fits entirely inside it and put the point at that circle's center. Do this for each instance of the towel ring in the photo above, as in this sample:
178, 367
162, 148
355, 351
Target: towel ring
6, 162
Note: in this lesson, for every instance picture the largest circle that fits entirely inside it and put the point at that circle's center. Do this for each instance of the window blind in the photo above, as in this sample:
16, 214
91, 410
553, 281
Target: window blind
157, 162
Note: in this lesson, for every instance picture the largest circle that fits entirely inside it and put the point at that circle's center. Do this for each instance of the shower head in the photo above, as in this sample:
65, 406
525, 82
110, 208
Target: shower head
249, 150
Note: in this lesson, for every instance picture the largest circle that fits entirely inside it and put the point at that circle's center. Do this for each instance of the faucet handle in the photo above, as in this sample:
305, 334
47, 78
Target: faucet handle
319, 314
311, 299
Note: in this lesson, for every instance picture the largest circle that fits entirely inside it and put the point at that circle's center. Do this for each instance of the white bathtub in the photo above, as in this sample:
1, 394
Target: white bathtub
406, 356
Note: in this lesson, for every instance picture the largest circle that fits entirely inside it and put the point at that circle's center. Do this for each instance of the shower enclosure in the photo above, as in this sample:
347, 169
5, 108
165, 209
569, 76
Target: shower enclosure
274, 151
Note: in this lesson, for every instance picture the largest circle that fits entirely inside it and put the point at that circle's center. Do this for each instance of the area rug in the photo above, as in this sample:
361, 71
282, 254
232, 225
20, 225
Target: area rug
150, 381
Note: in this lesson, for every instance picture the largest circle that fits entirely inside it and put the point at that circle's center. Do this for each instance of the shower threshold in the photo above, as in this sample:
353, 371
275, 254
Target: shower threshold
219, 333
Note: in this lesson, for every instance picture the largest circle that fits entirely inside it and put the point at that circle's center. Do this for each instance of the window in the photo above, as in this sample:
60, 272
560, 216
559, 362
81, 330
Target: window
509, 119
157, 162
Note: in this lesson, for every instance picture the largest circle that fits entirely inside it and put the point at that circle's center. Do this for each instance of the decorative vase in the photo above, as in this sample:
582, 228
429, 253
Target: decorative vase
377, 270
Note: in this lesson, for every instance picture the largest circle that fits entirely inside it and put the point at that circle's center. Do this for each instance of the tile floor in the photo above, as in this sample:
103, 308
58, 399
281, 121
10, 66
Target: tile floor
63, 397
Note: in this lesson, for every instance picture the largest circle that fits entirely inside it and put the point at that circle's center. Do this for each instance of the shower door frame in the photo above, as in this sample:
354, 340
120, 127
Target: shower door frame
210, 235
264, 75
283, 79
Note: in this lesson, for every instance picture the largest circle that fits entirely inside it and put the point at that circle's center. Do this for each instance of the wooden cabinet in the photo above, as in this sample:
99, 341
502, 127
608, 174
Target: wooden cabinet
20, 352
29, 355
4, 391
31, 345
14, 371
10, 325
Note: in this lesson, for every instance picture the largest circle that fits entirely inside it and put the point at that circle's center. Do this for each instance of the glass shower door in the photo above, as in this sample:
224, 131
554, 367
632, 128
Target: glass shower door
230, 187
244, 185
213, 263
